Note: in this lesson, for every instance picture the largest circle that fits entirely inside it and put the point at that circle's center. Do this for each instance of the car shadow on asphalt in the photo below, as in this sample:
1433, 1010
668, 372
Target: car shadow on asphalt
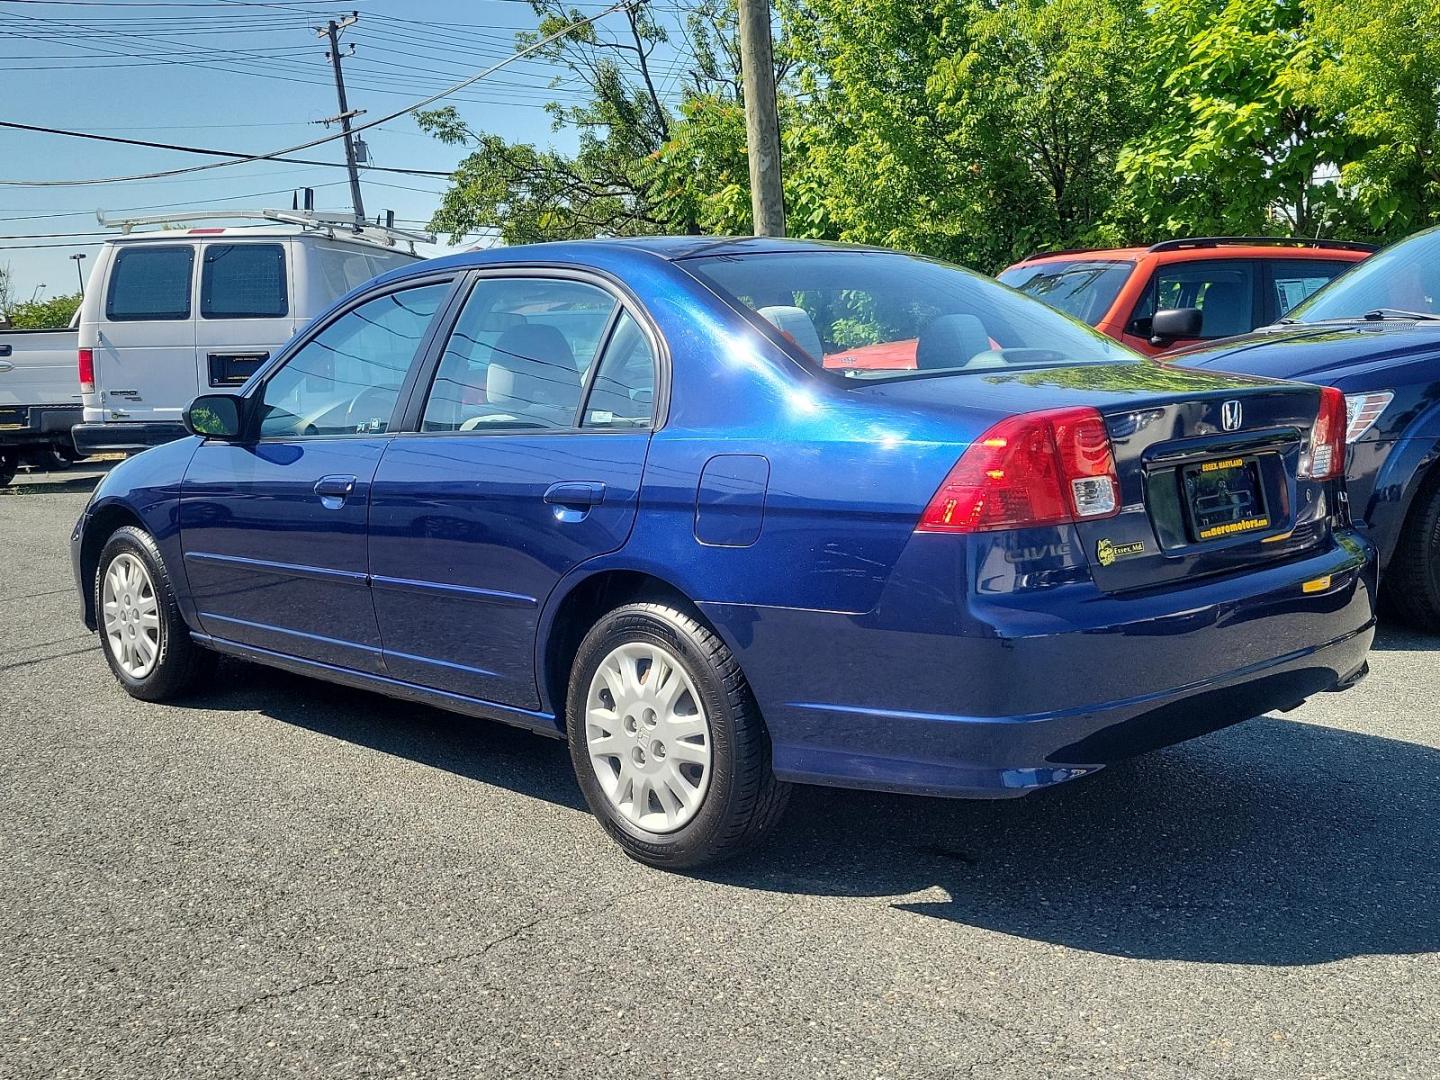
1273, 842
1393, 637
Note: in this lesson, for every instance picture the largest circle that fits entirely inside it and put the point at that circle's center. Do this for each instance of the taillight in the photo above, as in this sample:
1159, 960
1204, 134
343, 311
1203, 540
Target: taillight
87, 371
1327, 438
1041, 468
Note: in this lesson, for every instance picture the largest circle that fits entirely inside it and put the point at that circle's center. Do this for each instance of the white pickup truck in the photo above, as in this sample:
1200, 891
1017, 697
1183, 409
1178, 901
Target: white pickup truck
39, 395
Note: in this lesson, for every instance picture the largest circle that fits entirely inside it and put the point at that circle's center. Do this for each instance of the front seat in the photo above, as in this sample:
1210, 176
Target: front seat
1225, 310
532, 377
950, 341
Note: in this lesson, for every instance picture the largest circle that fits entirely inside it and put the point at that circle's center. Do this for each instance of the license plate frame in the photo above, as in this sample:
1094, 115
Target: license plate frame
14, 418
1224, 498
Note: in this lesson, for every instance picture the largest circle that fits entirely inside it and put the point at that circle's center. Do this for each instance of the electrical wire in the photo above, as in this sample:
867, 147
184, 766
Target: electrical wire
213, 153
448, 91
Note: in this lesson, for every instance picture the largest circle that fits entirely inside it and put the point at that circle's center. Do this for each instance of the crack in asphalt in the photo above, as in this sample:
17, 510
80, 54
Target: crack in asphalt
387, 969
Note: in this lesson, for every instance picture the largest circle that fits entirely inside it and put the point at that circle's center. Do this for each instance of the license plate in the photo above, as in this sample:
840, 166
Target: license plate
1225, 498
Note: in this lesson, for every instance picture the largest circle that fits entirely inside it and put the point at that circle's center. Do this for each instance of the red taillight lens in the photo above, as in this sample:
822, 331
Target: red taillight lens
87, 371
1035, 469
1327, 437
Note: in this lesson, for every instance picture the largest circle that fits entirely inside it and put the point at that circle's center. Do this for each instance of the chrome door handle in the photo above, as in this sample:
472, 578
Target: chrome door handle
334, 490
6, 365
573, 494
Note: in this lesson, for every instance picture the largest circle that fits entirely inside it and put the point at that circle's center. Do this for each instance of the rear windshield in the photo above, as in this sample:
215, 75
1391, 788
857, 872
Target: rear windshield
1085, 288
884, 315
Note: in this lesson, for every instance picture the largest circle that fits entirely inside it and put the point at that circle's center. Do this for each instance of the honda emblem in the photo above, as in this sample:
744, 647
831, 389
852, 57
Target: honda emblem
1230, 416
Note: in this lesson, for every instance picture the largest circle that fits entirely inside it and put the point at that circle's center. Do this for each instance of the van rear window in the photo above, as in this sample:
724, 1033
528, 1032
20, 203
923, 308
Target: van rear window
150, 283
243, 281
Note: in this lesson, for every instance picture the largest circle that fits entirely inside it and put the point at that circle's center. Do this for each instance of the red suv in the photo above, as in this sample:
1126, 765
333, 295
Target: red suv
1183, 291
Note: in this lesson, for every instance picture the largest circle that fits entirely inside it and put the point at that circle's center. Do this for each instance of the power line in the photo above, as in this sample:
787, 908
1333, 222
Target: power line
207, 151
448, 91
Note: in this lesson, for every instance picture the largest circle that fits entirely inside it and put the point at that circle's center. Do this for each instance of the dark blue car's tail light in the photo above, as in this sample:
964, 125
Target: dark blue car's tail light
1327, 438
1042, 468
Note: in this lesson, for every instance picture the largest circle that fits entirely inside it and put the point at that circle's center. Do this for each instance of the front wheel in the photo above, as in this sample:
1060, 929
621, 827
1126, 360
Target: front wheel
667, 742
143, 636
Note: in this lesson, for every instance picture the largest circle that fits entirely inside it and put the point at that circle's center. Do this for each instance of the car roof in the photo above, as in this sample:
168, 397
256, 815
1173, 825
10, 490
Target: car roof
1215, 247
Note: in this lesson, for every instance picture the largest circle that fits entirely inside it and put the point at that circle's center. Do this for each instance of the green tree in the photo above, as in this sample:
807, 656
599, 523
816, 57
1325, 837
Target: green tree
1236, 145
1377, 74
52, 313
975, 130
641, 166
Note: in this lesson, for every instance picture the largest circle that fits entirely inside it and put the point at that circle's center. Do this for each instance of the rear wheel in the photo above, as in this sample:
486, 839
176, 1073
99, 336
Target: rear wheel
667, 742
9, 462
142, 634
1412, 580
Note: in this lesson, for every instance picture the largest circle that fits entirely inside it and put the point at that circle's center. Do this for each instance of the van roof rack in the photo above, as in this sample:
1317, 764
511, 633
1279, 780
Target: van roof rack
333, 225
1260, 241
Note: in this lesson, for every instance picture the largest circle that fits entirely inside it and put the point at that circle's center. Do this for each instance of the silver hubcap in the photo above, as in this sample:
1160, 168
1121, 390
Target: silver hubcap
132, 616
647, 736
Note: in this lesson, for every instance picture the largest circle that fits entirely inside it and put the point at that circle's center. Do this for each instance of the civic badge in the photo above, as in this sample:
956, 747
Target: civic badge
1231, 416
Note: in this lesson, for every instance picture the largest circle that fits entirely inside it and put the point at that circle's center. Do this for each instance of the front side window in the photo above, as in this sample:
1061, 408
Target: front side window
519, 356
883, 315
1085, 288
150, 283
1223, 290
347, 379
243, 281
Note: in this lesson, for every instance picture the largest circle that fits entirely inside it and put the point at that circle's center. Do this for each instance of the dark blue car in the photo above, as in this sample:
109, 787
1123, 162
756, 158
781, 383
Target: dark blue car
1374, 332
614, 492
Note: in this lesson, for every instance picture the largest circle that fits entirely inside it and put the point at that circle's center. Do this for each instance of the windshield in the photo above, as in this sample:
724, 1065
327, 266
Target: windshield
879, 315
1085, 288
1404, 278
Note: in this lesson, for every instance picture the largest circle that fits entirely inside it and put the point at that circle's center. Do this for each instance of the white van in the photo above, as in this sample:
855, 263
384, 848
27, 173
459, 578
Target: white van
172, 314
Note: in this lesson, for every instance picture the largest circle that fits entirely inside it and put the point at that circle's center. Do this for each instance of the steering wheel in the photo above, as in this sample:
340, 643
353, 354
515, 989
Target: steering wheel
374, 403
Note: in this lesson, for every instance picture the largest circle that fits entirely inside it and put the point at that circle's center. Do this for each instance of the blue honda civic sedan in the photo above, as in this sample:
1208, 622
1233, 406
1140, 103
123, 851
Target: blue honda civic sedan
641, 495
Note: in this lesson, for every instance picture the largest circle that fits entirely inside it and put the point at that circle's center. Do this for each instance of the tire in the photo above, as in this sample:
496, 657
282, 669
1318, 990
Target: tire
69, 453
9, 462
148, 647
49, 459
1412, 580
735, 798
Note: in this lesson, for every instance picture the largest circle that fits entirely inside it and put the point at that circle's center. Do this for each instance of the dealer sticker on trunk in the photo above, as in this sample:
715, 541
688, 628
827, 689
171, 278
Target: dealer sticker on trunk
1107, 551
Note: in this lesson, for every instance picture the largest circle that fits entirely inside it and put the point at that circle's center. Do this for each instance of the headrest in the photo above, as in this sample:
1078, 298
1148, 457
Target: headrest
949, 341
532, 364
795, 324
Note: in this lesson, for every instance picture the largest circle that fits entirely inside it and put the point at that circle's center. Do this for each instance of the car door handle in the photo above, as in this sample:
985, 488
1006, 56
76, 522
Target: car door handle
6, 365
334, 490
575, 494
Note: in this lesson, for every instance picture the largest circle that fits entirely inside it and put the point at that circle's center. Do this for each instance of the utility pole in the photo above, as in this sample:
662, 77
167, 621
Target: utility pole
332, 31
762, 124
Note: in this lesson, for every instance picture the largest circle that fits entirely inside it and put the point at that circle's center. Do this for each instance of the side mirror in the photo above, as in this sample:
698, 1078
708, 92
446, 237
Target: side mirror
217, 416
1172, 323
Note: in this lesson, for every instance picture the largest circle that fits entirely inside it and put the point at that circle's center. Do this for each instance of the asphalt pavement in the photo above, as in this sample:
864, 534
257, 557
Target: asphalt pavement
282, 878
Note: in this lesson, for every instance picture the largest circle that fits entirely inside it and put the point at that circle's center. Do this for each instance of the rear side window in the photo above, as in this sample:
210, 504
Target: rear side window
519, 356
1293, 280
150, 283
243, 281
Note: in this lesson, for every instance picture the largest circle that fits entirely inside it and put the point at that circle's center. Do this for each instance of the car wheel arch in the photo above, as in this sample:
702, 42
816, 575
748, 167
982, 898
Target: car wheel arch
578, 605
99, 527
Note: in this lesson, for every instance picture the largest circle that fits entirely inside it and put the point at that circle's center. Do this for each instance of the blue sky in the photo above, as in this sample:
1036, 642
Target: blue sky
244, 76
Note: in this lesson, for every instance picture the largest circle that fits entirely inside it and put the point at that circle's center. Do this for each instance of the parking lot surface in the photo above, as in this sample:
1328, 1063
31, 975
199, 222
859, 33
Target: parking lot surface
284, 878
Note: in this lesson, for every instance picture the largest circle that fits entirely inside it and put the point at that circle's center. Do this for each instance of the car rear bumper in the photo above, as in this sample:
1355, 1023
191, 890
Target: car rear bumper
125, 435
30, 424
1024, 699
